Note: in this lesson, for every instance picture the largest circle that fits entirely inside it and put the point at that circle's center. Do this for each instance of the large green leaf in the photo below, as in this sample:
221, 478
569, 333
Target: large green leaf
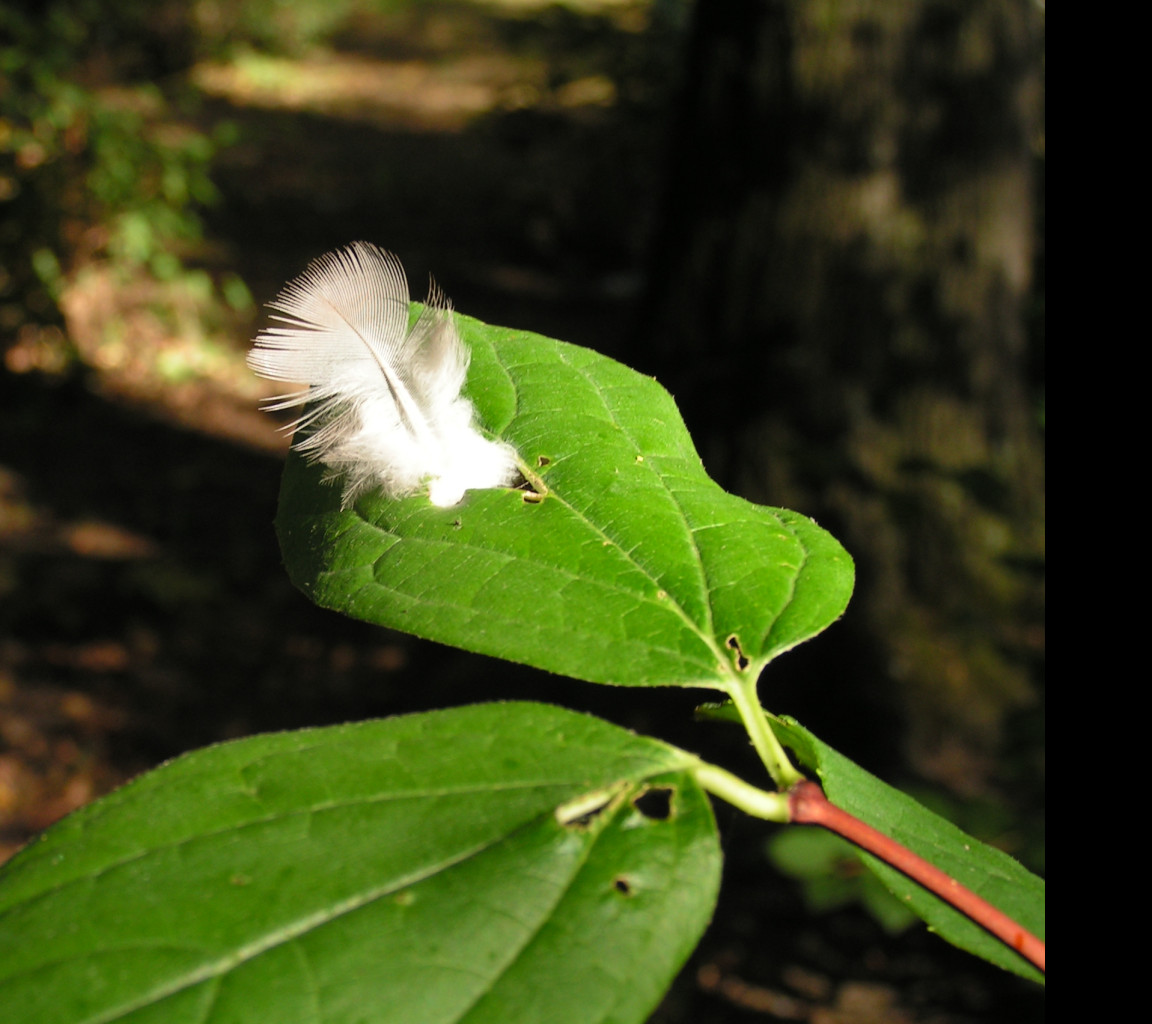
988, 872
628, 566
431, 868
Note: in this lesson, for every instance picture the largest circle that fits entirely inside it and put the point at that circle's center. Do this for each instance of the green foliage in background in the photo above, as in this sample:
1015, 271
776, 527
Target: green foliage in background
288, 27
91, 161
829, 871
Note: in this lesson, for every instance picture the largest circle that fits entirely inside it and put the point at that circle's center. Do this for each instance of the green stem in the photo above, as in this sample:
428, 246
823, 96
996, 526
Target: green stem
756, 802
746, 701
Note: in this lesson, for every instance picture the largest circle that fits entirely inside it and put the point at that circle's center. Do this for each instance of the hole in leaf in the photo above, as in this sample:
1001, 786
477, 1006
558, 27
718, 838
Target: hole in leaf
543, 460
734, 645
655, 803
622, 886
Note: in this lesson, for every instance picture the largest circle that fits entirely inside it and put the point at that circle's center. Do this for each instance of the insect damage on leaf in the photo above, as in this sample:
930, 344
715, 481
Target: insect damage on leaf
733, 643
655, 803
585, 809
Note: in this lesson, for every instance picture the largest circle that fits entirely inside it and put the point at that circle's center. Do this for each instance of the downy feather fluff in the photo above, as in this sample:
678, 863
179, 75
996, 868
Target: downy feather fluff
385, 409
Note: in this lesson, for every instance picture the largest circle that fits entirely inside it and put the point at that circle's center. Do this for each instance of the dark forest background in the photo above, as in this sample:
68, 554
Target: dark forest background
819, 224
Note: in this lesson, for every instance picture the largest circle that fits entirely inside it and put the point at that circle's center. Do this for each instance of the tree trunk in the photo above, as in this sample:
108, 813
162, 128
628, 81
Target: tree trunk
840, 301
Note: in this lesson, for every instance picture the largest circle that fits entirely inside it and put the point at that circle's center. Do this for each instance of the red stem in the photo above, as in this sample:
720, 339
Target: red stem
809, 806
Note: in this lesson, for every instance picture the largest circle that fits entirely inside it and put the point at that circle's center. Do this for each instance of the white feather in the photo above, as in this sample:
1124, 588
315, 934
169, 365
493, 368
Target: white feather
385, 405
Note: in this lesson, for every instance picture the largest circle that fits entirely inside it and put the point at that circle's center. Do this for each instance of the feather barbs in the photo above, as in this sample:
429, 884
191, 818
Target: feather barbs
385, 405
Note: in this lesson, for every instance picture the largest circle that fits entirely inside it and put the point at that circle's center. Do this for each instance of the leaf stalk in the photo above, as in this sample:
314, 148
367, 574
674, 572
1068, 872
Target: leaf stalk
747, 703
758, 803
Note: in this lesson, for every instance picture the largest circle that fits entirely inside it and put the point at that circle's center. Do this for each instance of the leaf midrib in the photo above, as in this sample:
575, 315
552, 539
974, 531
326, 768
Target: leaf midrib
707, 631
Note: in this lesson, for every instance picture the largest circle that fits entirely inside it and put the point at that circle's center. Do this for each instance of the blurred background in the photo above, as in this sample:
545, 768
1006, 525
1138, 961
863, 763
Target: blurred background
818, 222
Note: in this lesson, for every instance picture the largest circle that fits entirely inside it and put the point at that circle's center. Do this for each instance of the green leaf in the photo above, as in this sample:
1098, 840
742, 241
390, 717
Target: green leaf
628, 565
449, 866
989, 872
